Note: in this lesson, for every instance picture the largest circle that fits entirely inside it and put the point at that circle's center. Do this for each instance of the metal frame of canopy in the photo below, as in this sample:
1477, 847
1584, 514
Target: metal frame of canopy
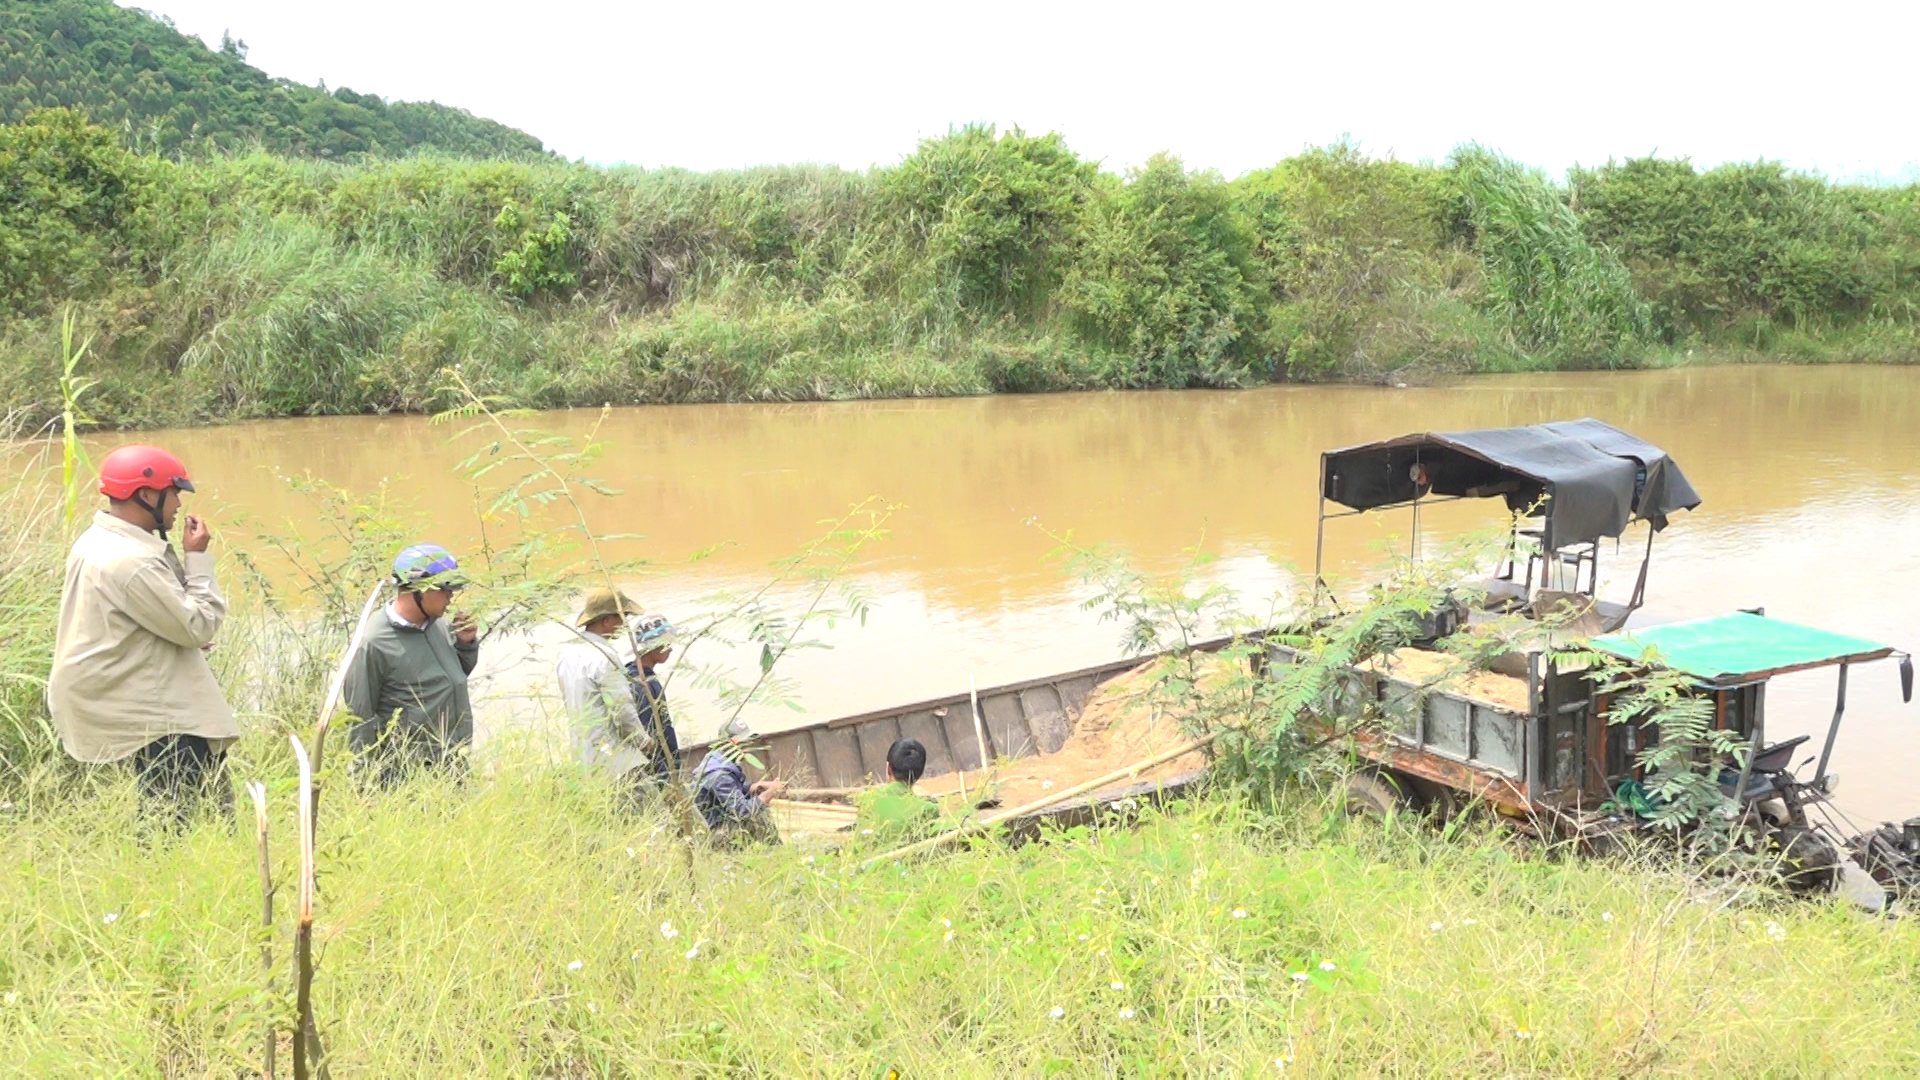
1538, 461
1745, 648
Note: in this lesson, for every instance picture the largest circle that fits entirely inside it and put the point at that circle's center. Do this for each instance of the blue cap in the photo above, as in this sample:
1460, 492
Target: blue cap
427, 566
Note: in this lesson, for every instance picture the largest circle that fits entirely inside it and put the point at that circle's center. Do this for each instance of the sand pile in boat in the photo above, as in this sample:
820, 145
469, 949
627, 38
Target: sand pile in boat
1118, 727
1441, 671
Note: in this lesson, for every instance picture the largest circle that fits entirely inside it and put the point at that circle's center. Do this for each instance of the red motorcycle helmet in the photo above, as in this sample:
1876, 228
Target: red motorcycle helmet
131, 468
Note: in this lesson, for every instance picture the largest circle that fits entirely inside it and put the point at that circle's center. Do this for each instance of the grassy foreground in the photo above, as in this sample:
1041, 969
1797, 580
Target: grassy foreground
519, 927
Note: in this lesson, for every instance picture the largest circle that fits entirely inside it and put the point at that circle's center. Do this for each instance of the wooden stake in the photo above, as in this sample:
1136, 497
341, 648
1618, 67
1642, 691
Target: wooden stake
259, 793
303, 932
332, 699
979, 732
988, 822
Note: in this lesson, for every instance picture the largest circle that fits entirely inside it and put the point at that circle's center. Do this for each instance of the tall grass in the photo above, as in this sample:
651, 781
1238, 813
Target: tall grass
522, 926
1556, 292
31, 550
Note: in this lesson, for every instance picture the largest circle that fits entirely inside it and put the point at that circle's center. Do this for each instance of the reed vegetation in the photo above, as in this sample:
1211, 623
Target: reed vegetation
259, 285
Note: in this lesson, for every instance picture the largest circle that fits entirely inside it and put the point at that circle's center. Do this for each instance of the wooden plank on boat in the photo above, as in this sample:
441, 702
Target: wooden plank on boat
790, 757
791, 818
1074, 694
923, 726
837, 753
876, 737
1046, 718
958, 726
1007, 733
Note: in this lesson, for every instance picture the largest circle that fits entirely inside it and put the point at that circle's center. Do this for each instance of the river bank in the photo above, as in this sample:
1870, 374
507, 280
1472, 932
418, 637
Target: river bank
248, 286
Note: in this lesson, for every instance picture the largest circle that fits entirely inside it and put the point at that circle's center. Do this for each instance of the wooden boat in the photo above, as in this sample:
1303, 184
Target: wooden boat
1017, 720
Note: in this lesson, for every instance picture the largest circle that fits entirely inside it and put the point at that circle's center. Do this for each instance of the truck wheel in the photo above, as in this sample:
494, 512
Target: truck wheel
1377, 794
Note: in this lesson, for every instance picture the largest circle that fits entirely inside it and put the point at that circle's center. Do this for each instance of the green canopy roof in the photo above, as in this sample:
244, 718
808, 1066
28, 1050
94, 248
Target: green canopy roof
1740, 648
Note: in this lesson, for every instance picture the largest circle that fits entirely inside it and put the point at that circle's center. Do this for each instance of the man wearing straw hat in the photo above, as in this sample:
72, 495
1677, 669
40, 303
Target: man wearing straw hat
604, 726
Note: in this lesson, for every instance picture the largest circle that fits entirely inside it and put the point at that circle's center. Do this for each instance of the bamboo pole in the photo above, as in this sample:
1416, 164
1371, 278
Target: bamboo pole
988, 822
259, 793
303, 932
339, 682
979, 732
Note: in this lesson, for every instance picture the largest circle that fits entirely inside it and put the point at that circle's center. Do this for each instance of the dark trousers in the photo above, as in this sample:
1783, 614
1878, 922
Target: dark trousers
177, 775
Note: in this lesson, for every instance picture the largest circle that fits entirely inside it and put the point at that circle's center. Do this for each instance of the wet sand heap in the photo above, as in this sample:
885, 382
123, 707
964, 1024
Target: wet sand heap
1119, 726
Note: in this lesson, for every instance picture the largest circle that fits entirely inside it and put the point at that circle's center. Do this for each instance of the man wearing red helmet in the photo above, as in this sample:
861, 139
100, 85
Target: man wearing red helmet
130, 679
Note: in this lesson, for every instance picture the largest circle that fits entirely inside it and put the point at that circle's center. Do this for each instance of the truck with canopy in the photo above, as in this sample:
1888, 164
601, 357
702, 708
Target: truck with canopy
1567, 485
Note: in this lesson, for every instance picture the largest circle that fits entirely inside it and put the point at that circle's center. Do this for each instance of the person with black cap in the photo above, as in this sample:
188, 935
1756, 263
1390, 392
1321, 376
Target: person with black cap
893, 811
130, 680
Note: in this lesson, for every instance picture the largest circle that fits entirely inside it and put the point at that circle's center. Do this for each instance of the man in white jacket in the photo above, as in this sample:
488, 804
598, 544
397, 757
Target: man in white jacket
130, 680
603, 724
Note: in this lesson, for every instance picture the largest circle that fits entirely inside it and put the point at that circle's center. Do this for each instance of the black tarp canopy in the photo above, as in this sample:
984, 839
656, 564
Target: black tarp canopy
1593, 477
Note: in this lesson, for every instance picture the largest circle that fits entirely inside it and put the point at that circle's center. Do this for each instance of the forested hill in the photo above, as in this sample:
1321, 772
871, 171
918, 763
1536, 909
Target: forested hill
166, 91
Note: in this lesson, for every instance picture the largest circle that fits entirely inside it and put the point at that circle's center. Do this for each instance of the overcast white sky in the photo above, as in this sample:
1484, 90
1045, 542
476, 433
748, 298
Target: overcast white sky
1231, 86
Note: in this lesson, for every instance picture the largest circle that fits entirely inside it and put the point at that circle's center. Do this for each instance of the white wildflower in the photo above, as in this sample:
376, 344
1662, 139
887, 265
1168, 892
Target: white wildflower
1466, 922
694, 953
592, 1008
1606, 916
10, 997
948, 923
1326, 965
1056, 1012
1522, 1033
1117, 985
949, 936
1083, 937
1283, 1061
1435, 927
669, 931
1239, 913
629, 853
112, 917
1299, 976
1126, 1014
1776, 931
576, 965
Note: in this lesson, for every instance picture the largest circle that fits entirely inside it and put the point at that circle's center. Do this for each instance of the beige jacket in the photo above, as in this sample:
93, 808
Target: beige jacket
127, 661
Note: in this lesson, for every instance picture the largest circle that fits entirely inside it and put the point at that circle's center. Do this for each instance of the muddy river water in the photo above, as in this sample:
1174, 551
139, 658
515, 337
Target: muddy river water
1810, 475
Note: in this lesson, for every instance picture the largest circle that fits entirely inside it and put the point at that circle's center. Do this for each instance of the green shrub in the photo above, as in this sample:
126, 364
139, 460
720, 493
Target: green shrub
67, 191
1356, 250
1711, 250
992, 212
1165, 277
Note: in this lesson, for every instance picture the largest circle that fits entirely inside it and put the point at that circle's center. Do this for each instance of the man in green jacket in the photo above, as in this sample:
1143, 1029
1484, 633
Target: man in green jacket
894, 812
408, 681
